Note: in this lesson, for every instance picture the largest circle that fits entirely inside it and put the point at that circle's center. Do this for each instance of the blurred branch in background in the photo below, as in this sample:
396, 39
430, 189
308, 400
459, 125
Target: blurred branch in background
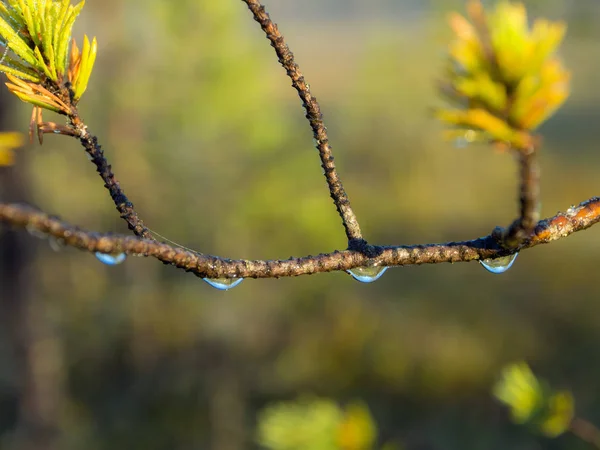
35, 369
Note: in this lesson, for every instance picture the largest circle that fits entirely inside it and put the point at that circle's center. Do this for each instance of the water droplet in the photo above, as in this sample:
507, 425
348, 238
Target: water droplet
367, 274
499, 265
111, 259
465, 139
460, 142
56, 244
35, 232
223, 284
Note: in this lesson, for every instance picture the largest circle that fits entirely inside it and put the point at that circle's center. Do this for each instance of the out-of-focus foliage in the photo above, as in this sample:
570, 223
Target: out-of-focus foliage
357, 430
307, 423
504, 77
9, 141
221, 160
317, 424
532, 402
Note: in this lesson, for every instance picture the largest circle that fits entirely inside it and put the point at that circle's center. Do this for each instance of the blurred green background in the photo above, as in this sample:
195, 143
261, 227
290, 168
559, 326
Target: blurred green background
209, 141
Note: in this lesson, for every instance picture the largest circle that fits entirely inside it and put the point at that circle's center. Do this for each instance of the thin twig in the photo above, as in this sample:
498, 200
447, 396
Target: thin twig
529, 191
104, 169
585, 431
563, 224
513, 236
315, 118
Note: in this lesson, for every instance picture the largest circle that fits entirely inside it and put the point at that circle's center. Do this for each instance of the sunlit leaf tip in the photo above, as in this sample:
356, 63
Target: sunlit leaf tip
83, 64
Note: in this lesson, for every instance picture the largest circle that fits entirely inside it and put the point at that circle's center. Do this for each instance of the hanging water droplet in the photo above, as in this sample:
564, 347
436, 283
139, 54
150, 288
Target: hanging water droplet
223, 284
468, 137
111, 259
56, 244
35, 232
460, 142
367, 274
499, 265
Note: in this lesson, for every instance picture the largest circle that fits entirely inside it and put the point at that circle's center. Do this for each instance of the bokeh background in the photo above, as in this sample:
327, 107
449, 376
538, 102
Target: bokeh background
209, 141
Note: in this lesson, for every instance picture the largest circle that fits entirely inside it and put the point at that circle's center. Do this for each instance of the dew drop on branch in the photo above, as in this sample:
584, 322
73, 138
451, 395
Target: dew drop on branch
111, 259
499, 265
367, 274
223, 284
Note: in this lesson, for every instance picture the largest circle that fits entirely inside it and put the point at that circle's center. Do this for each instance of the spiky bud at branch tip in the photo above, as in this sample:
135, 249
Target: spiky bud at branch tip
502, 76
36, 35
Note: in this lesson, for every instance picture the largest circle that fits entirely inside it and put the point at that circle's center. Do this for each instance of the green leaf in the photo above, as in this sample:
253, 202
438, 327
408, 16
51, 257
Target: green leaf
19, 73
64, 37
16, 43
42, 64
60, 14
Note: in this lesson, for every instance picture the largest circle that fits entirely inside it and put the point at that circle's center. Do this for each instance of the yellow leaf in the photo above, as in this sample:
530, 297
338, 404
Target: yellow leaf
561, 409
9, 141
520, 390
483, 88
357, 431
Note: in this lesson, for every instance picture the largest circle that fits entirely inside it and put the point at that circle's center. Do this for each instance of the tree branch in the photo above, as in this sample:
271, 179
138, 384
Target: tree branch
525, 232
104, 169
315, 118
562, 225
529, 192
585, 431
